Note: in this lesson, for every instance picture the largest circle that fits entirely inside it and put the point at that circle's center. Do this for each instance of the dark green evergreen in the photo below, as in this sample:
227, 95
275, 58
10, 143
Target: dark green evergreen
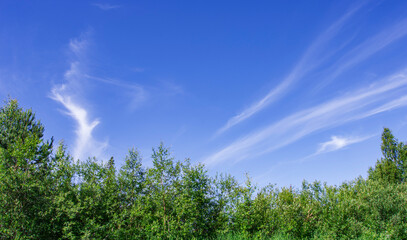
45, 194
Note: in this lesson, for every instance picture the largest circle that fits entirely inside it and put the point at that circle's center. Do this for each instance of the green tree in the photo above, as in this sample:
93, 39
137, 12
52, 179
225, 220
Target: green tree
161, 181
392, 167
131, 182
194, 206
25, 162
64, 206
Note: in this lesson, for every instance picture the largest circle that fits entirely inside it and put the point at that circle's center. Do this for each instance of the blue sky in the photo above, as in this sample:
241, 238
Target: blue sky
281, 90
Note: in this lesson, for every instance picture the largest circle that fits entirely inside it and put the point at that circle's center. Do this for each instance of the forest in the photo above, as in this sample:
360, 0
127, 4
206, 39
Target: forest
46, 194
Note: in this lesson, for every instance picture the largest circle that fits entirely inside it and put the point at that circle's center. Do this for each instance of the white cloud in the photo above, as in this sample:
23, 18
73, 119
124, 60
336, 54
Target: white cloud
106, 6
337, 143
85, 143
402, 101
366, 49
309, 61
68, 94
351, 107
78, 46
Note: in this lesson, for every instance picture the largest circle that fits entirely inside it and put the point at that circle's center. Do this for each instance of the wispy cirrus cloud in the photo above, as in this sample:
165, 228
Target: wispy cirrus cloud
138, 94
79, 46
85, 144
337, 143
68, 94
401, 101
106, 6
314, 57
366, 49
360, 104
135, 92
309, 61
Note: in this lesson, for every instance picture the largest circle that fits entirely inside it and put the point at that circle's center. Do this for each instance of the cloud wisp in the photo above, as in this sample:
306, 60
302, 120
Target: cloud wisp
67, 94
366, 49
85, 143
106, 6
337, 143
357, 105
309, 61
137, 93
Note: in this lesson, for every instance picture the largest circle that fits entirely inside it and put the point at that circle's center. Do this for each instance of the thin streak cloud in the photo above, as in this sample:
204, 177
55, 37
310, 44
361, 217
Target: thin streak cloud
137, 93
355, 106
367, 49
308, 62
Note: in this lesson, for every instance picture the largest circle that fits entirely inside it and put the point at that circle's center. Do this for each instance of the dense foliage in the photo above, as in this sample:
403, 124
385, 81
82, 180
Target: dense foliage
45, 194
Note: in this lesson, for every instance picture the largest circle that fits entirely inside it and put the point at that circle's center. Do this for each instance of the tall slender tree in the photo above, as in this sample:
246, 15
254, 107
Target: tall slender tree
25, 161
392, 167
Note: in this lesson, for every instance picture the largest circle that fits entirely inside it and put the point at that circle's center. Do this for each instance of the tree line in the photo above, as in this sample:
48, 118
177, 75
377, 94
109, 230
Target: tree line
46, 194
